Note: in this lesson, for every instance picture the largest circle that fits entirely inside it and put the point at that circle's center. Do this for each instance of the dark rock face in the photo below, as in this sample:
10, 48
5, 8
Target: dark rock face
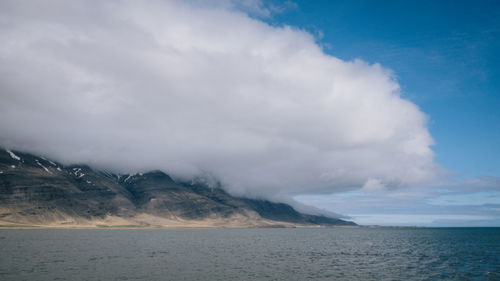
32, 187
284, 212
37, 186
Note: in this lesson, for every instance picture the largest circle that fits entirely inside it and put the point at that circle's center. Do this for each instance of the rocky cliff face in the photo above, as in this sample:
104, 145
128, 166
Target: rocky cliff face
35, 190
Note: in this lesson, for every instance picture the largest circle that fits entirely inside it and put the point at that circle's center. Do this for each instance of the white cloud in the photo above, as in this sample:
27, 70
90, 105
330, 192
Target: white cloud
192, 89
373, 185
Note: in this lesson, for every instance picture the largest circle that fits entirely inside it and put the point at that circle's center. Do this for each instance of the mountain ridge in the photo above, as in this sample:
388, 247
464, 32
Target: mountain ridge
37, 191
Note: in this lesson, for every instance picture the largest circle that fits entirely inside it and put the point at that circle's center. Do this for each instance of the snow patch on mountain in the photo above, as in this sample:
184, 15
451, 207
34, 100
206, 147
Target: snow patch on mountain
41, 165
14, 156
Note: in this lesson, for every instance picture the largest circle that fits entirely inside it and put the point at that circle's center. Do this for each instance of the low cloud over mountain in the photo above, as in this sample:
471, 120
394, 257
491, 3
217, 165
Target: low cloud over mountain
194, 91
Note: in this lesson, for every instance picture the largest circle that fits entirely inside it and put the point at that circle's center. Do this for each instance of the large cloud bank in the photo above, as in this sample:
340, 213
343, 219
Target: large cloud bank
197, 90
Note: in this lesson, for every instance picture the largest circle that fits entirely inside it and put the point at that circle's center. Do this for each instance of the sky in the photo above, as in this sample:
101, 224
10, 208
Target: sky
383, 112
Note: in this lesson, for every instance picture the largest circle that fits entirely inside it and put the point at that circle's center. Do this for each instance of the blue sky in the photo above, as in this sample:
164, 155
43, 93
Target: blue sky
446, 57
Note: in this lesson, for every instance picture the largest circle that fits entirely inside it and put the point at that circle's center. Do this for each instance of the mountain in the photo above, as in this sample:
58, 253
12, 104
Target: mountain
37, 191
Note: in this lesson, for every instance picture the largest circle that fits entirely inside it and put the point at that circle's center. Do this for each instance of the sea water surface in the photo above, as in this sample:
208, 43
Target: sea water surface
251, 254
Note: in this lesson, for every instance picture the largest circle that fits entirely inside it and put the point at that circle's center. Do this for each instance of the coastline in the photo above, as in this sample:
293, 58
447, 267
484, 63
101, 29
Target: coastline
159, 227
4, 226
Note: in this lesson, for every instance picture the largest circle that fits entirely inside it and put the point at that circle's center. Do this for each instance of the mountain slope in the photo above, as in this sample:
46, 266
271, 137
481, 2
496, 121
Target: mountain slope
35, 190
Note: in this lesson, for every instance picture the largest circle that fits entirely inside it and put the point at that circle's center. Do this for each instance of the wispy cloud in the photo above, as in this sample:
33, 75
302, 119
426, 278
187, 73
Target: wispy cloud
469, 202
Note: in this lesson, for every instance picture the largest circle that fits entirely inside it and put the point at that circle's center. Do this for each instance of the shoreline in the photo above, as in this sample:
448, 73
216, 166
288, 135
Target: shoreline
172, 227
187, 226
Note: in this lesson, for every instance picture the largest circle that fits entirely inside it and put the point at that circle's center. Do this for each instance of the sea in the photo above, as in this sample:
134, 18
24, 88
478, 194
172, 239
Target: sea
251, 254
